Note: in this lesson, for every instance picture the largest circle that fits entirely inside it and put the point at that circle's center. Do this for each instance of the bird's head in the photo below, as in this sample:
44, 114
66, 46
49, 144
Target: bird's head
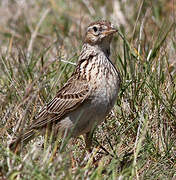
100, 33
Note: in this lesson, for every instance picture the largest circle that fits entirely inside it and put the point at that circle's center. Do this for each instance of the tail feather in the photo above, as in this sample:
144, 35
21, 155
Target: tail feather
22, 140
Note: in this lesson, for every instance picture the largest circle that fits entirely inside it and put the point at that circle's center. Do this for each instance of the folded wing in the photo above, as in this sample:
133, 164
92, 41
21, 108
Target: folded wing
69, 97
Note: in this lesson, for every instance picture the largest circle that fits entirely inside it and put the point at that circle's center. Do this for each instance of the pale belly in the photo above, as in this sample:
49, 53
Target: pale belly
93, 111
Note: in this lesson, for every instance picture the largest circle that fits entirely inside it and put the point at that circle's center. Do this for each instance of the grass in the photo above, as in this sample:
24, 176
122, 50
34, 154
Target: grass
39, 46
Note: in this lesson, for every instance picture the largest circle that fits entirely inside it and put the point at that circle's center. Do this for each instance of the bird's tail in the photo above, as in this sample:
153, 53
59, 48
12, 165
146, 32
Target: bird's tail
22, 140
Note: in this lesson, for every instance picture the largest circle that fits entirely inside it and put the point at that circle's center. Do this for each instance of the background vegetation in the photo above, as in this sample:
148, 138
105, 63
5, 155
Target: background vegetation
40, 42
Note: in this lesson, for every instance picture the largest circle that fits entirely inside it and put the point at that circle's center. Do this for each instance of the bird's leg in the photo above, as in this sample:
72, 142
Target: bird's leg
88, 141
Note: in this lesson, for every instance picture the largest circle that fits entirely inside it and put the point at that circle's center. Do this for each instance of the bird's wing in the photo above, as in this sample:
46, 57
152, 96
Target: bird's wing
69, 97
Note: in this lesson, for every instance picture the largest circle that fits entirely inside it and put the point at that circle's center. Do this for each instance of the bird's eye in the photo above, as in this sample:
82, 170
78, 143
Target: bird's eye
95, 29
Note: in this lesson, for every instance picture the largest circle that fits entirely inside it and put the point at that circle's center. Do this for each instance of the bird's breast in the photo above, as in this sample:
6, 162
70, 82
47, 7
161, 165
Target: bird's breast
104, 81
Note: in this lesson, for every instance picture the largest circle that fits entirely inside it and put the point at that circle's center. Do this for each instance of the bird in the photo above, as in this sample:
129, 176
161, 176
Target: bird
89, 94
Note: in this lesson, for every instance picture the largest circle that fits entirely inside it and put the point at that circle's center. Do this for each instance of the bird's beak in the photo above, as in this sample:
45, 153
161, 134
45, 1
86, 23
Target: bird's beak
110, 31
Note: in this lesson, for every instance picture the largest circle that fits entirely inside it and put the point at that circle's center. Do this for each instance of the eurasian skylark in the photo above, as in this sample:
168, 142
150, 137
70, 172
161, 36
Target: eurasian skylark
89, 94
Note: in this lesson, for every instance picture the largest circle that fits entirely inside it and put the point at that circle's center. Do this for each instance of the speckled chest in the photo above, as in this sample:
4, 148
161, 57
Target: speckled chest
105, 83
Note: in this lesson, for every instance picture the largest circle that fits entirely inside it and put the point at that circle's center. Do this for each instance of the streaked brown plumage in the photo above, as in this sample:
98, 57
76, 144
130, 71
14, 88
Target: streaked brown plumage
89, 94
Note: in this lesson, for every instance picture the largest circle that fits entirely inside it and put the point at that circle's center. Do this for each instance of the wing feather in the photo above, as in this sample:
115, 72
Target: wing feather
67, 99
